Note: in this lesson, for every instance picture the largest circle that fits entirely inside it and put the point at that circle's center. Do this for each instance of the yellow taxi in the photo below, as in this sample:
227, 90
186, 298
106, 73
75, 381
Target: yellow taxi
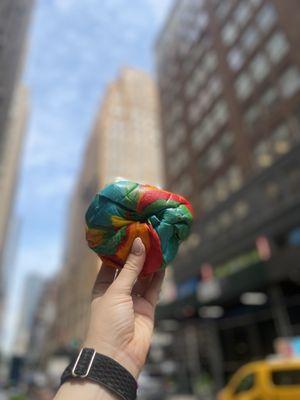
275, 379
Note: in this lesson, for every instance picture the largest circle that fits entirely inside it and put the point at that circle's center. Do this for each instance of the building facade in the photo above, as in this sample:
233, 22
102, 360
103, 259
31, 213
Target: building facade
124, 143
229, 80
9, 163
129, 133
14, 21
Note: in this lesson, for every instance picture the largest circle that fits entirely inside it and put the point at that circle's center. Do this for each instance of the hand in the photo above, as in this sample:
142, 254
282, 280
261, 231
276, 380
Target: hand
122, 311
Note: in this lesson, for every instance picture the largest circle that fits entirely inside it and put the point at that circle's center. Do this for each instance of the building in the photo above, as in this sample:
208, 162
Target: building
14, 21
32, 293
39, 346
9, 170
130, 135
229, 81
124, 143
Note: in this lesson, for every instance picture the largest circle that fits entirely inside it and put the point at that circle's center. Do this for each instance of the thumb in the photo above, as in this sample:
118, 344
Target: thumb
132, 268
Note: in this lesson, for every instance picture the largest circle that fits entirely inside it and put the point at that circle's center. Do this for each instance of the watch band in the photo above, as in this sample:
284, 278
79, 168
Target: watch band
103, 370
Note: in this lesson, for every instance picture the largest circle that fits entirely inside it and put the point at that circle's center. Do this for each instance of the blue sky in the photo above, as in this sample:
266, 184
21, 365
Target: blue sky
75, 48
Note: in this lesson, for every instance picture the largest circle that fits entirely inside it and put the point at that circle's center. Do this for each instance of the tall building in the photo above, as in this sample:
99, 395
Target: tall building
80, 265
124, 143
32, 293
229, 81
9, 168
14, 20
129, 134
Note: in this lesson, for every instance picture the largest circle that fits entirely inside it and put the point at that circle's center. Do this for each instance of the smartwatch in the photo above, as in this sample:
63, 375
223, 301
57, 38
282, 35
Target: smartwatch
103, 370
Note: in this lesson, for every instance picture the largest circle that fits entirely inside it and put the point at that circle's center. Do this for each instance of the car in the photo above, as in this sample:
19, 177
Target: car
274, 379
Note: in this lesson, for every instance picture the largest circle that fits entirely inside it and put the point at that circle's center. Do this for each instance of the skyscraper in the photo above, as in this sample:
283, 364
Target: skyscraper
9, 168
129, 135
124, 143
14, 20
229, 82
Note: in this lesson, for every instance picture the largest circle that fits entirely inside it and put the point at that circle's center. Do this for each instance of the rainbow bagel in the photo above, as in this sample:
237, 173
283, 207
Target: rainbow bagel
125, 210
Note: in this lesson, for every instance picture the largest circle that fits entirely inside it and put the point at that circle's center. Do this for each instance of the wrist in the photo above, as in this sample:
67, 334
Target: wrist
120, 356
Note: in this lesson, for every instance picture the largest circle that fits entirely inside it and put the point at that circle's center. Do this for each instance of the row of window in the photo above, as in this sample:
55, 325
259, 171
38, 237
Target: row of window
271, 191
205, 67
276, 48
288, 84
276, 145
222, 188
264, 21
204, 99
184, 185
196, 55
245, 7
215, 155
214, 120
227, 218
261, 66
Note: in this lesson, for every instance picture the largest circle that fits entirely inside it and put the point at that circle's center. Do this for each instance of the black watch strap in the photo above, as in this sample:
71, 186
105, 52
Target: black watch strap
103, 370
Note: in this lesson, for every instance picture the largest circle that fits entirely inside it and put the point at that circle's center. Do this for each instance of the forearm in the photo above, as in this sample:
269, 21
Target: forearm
77, 390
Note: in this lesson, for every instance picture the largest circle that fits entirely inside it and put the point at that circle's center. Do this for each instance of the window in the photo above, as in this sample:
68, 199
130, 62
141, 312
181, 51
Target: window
223, 9
281, 139
244, 86
193, 113
226, 141
209, 127
208, 198
270, 97
220, 113
289, 377
277, 47
178, 132
214, 158
255, 3
266, 17
246, 384
242, 13
234, 177
260, 67
262, 155
200, 76
184, 185
198, 138
250, 39
210, 61
225, 219
241, 209
215, 86
222, 191
290, 82
180, 161
229, 33
235, 59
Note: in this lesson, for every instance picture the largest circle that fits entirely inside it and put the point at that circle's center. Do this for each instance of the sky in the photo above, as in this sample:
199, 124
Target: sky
75, 49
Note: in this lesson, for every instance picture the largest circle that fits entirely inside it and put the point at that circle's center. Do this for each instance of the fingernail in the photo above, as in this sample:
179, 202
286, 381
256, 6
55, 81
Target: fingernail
137, 247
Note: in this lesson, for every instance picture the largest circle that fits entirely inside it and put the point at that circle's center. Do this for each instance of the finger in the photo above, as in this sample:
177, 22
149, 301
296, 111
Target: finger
104, 279
133, 266
142, 285
152, 293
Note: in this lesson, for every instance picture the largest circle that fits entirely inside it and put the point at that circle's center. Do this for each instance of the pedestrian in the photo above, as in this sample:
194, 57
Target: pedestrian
119, 333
